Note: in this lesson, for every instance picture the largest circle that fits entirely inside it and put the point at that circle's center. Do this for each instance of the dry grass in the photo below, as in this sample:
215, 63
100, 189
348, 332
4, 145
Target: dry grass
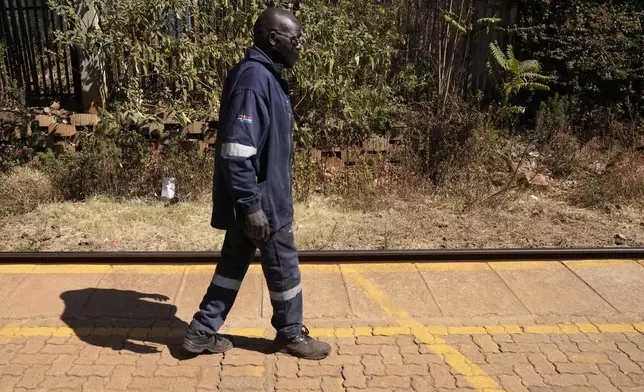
23, 189
371, 205
621, 182
101, 224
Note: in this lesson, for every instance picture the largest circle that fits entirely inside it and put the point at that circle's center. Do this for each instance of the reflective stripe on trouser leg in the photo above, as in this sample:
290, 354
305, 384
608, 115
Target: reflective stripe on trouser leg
236, 255
282, 272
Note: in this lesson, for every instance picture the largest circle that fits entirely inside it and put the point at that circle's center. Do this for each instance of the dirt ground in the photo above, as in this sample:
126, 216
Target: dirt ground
425, 223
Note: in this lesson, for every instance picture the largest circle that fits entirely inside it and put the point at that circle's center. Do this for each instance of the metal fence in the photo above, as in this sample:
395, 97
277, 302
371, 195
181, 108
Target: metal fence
46, 71
43, 69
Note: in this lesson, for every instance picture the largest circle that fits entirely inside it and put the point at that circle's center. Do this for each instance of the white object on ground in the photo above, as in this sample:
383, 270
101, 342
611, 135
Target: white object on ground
168, 187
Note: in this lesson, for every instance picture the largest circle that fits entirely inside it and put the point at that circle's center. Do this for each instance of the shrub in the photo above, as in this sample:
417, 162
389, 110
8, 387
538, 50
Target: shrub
176, 54
23, 189
191, 167
452, 147
11, 94
364, 67
594, 48
555, 136
125, 164
621, 182
14, 154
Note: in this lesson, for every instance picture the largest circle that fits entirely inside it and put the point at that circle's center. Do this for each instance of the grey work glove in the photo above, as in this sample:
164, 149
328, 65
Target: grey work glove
256, 227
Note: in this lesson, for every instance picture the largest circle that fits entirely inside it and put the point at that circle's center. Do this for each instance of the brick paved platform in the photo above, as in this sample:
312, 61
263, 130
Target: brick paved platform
532, 326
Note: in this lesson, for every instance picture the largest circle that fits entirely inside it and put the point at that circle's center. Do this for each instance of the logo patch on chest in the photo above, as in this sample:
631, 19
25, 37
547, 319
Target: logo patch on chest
245, 119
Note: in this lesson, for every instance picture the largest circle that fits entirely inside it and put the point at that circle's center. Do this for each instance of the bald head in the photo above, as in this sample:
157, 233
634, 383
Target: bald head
278, 33
274, 19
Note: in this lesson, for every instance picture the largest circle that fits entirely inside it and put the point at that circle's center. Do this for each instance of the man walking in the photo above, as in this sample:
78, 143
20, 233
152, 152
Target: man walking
252, 192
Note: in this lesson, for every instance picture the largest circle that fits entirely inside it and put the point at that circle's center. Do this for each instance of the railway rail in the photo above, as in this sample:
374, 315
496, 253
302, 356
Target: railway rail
331, 256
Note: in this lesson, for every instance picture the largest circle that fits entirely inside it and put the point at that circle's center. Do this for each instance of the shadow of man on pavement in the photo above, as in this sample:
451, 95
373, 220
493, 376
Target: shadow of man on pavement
133, 321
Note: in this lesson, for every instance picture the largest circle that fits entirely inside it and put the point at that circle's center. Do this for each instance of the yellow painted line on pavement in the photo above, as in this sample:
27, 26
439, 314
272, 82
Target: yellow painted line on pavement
143, 269
149, 269
362, 331
16, 268
134, 333
616, 328
474, 375
202, 269
380, 267
9, 331
466, 331
569, 329
343, 332
209, 269
494, 329
587, 327
72, 269
322, 332
394, 331
411, 329
512, 329
160, 269
524, 265
601, 263
320, 268
542, 329
377, 295
464, 266
639, 327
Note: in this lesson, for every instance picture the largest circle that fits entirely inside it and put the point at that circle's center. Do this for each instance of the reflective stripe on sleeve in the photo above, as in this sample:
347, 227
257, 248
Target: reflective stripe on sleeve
237, 150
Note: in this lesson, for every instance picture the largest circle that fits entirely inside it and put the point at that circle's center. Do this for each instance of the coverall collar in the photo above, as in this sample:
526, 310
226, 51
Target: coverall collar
256, 54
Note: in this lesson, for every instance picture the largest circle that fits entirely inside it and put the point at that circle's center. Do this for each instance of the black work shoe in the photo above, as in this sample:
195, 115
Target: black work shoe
216, 344
303, 346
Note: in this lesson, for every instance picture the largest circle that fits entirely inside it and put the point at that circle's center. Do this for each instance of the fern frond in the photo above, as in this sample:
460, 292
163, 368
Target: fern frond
494, 76
445, 12
450, 19
507, 92
514, 109
488, 21
535, 76
498, 55
513, 65
535, 86
510, 52
529, 66
488, 68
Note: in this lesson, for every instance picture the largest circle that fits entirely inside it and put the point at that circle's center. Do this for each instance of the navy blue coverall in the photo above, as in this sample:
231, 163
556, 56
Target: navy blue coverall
253, 170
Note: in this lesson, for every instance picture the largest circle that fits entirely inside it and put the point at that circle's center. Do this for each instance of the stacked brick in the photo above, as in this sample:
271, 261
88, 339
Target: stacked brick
60, 131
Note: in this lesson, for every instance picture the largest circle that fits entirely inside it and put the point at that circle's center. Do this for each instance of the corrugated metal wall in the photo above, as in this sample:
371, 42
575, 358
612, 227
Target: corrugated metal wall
31, 56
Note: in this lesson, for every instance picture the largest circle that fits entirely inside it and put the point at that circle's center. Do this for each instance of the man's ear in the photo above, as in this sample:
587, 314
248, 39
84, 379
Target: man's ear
272, 38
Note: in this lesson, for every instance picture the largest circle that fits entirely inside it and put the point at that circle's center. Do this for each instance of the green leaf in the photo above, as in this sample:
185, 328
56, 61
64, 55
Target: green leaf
535, 86
510, 53
536, 76
450, 19
498, 55
529, 66
488, 21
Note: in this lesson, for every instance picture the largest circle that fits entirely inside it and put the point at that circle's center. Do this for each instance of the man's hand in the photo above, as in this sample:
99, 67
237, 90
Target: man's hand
256, 227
